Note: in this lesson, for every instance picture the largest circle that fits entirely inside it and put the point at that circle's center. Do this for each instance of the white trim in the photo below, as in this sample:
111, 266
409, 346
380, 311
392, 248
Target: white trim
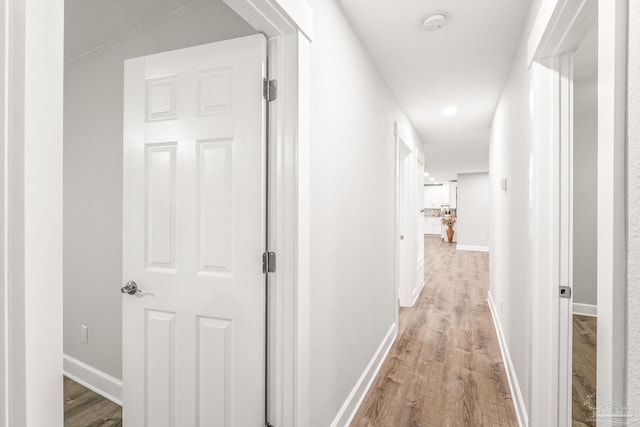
460, 247
544, 213
5, 390
31, 194
288, 25
396, 224
416, 292
299, 12
34, 186
612, 278
585, 309
300, 174
94, 379
271, 16
565, 165
289, 115
405, 279
354, 400
514, 386
559, 28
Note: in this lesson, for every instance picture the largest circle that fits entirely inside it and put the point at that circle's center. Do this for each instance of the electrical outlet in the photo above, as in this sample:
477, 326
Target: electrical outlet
84, 334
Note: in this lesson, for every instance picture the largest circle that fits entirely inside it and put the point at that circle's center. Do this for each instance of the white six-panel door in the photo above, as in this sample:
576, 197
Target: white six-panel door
194, 234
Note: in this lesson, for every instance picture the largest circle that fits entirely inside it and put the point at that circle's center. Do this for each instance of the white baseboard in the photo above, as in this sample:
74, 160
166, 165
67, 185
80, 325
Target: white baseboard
93, 379
516, 393
416, 294
585, 309
354, 400
472, 248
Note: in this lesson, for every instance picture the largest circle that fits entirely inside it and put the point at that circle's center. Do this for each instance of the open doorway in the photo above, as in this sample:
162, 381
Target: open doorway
98, 40
551, 56
585, 230
33, 391
404, 224
409, 248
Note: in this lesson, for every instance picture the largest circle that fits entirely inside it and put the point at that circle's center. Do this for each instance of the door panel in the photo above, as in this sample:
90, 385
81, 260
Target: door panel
406, 212
403, 224
419, 221
194, 234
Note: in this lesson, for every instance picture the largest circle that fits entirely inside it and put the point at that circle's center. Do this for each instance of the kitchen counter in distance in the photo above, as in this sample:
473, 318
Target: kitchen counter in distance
431, 225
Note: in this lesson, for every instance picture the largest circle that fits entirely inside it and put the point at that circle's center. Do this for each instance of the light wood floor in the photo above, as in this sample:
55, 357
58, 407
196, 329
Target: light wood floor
84, 408
445, 368
584, 370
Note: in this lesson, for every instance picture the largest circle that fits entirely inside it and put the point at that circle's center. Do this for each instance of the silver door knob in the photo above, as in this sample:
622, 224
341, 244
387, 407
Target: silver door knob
130, 288
401, 237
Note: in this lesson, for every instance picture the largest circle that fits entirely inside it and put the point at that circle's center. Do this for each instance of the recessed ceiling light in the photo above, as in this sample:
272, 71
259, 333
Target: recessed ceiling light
426, 174
431, 179
434, 21
449, 111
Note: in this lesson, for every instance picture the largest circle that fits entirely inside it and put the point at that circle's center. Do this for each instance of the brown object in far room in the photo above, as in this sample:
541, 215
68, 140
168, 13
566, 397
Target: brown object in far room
84, 408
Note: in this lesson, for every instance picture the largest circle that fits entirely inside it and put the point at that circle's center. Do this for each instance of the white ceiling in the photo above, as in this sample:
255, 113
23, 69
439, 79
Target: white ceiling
464, 65
91, 24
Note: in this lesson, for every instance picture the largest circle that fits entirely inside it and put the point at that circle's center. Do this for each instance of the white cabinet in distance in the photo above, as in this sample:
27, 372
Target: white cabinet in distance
432, 225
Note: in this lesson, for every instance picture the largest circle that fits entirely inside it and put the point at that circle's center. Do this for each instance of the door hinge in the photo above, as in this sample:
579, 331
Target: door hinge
269, 262
268, 424
565, 291
270, 90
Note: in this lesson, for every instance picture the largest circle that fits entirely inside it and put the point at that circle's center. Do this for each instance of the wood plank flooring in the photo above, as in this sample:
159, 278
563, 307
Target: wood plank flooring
84, 408
445, 368
584, 370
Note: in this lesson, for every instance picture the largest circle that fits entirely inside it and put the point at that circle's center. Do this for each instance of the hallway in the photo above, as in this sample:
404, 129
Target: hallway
445, 368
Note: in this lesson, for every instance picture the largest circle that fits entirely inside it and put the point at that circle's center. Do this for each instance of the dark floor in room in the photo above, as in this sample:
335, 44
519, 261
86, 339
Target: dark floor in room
584, 370
84, 408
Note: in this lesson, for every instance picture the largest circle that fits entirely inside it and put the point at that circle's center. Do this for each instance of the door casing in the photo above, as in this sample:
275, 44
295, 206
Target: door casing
407, 263
31, 71
419, 221
404, 235
558, 30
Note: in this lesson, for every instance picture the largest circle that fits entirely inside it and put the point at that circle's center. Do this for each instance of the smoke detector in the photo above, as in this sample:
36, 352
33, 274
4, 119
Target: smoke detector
434, 21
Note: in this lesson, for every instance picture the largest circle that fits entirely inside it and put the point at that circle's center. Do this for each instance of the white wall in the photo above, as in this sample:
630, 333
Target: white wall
585, 183
93, 98
473, 210
633, 210
510, 283
352, 210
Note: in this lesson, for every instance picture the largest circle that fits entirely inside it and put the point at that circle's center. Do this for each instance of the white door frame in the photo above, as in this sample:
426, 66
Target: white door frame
559, 29
403, 182
419, 222
31, 72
